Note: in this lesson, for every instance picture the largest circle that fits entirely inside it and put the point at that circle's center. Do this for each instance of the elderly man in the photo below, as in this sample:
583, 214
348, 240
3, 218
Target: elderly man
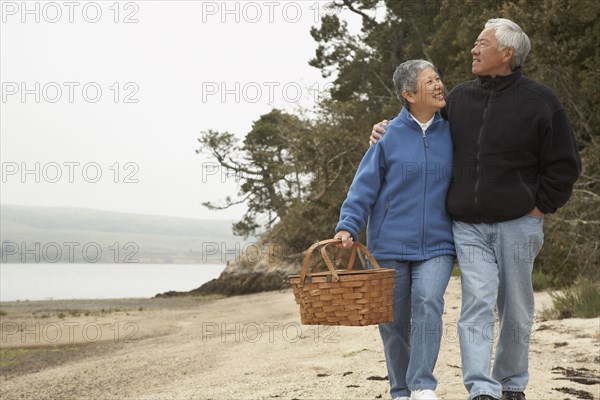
515, 159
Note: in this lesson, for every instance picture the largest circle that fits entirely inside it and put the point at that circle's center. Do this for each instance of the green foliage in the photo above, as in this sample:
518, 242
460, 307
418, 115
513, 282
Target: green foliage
365, 63
325, 151
565, 54
581, 300
571, 246
286, 166
541, 280
271, 164
458, 25
456, 269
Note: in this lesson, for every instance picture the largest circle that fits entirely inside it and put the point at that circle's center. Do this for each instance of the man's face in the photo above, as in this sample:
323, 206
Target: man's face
487, 59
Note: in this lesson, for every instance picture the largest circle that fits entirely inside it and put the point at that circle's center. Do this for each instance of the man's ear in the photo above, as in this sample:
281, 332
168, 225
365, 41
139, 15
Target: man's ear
507, 54
408, 96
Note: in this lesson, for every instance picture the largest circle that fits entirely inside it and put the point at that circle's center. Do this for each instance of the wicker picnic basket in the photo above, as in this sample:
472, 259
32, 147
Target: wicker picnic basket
344, 297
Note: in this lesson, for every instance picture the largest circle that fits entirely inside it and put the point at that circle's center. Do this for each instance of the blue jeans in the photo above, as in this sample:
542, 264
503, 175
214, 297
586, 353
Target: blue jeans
412, 341
496, 261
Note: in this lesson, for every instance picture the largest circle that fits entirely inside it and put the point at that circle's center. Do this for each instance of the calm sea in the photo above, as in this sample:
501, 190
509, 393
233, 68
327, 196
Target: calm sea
100, 281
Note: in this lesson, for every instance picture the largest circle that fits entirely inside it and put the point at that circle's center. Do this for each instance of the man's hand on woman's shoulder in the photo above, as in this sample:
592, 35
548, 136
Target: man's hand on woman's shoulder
378, 131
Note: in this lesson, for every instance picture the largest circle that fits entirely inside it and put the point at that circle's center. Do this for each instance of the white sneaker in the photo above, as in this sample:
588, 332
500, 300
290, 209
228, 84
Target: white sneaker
423, 395
401, 398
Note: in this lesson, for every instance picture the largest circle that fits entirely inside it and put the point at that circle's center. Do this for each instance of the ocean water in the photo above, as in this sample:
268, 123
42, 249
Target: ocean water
100, 281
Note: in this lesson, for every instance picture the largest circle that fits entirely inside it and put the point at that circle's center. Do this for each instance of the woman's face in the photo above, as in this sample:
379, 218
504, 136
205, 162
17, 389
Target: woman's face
430, 91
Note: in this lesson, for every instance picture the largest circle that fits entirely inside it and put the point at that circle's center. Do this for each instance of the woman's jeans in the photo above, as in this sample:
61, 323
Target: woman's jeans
496, 262
412, 341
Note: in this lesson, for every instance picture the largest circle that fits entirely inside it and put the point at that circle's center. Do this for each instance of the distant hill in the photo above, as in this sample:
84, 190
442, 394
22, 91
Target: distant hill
64, 234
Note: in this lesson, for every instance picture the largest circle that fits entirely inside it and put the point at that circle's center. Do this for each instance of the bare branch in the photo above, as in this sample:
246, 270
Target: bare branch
384, 84
343, 153
323, 191
578, 221
586, 192
229, 203
365, 17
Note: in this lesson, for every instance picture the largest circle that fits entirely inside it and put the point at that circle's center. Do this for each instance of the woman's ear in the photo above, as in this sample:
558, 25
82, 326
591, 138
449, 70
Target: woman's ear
408, 96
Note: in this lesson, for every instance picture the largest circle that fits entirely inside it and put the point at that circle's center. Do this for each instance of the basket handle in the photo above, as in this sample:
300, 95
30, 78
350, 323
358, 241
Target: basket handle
327, 260
355, 247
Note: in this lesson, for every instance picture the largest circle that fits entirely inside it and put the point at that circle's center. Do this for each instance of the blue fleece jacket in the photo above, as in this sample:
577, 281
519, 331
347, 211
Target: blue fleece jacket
401, 186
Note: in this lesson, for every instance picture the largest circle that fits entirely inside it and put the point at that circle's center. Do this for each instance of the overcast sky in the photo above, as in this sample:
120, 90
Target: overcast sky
102, 102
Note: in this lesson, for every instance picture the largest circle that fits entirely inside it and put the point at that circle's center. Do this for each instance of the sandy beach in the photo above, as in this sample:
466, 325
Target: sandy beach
246, 347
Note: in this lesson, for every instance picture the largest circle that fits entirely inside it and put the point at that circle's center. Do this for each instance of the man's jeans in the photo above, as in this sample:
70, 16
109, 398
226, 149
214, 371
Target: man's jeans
496, 261
418, 293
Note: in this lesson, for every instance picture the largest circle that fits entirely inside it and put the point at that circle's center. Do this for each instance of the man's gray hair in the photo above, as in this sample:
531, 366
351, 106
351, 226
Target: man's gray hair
510, 35
405, 77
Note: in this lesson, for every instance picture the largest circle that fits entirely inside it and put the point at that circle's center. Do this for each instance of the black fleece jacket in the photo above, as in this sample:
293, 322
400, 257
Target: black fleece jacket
513, 149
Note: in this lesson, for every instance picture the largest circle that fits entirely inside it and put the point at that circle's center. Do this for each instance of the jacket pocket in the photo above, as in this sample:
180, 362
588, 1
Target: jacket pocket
527, 189
385, 213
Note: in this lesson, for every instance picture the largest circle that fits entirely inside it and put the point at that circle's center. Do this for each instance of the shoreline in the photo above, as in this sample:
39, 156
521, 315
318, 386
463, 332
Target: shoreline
61, 282
249, 346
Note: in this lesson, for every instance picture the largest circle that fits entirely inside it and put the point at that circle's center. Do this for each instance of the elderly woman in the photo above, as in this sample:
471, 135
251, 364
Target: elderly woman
401, 187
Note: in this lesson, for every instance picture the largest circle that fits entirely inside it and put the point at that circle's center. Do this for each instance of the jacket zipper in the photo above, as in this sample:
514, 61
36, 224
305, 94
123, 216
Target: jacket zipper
484, 117
425, 146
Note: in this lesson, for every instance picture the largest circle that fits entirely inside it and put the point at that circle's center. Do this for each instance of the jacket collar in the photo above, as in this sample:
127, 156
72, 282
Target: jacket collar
499, 83
406, 118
